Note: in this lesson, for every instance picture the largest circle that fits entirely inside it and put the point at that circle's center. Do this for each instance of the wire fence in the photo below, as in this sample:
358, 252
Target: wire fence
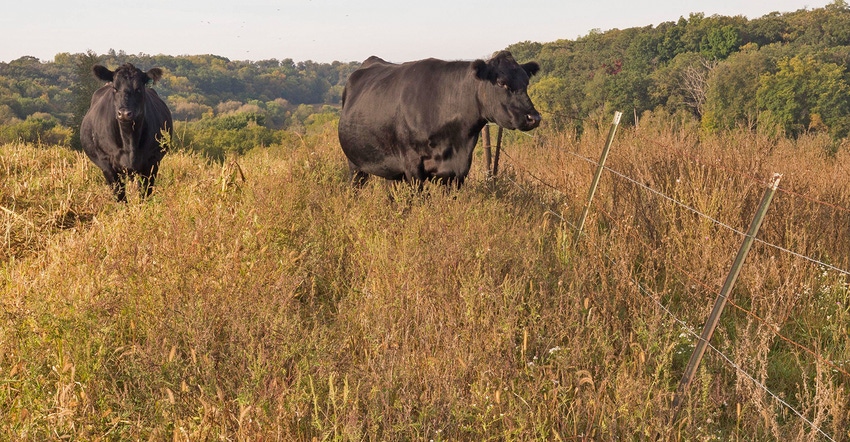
655, 298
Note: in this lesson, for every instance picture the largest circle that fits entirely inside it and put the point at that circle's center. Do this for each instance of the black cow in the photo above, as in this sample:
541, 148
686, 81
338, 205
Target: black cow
421, 120
122, 131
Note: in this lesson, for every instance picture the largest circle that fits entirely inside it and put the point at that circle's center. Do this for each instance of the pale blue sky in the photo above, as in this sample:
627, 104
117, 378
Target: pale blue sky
328, 30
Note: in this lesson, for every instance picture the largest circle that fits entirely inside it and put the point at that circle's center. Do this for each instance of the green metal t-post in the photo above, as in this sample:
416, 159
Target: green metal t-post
720, 302
598, 175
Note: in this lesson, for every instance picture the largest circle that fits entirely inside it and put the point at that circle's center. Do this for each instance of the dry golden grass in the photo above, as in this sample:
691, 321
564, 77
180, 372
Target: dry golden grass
264, 299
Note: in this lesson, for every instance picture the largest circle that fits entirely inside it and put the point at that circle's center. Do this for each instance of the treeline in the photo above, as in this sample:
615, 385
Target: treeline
193, 85
782, 74
218, 104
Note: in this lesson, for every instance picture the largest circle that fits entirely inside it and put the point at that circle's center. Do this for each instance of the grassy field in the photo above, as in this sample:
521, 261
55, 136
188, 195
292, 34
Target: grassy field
264, 299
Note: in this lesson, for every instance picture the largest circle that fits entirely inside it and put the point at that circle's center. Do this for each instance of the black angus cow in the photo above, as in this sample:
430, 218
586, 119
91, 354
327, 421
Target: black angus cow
122, 130
421, 120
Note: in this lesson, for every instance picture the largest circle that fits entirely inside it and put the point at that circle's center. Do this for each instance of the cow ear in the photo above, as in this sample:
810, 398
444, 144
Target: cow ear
154, 74
102, 73
531, 68
483, 71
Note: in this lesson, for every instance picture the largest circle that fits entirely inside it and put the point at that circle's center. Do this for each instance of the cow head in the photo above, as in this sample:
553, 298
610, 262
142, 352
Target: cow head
128, 101
504, 91
128, 90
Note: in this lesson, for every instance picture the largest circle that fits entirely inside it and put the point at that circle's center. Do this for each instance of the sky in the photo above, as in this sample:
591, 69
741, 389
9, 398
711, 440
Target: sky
333, 30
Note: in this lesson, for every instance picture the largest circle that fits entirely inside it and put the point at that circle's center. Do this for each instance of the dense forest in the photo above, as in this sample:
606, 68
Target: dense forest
782, 74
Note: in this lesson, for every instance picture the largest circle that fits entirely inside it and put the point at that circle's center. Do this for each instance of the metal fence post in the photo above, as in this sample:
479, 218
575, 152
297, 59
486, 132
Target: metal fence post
598, 174
488, 159
720, 302
498, 150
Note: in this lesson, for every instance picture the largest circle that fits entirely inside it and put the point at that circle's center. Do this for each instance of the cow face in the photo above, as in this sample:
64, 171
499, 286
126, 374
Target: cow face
504, 91
128, 90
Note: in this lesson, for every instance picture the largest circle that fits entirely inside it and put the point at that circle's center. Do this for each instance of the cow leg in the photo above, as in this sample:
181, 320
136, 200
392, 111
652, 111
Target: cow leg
416, 174
116, 183
356, 176
416, 182
146, 182
145, 186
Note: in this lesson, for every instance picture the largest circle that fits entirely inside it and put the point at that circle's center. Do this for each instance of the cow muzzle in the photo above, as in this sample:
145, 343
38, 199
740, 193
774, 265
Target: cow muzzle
532, 120
125, 115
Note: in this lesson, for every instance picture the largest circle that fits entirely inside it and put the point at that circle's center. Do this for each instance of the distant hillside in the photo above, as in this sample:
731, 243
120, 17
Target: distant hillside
193, 85
783, 74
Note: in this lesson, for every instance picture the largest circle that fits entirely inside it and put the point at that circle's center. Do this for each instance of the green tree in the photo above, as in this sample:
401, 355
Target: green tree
670, 39
38, 128
805, 94
525, 50
554, 98
82, 89
731, 90
720, 42
771, 28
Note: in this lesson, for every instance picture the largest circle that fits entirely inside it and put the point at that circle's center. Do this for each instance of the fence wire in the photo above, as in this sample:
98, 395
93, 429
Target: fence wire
710, 218
729, 360
657, 301
748, 312
750, 177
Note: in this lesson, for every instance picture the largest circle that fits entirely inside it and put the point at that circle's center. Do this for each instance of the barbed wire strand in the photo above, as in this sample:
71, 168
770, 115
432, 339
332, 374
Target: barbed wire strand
698, 161
638, 133
729, 361
690, 330
695, 211
781, 188
544, 205
710, 218
775, 328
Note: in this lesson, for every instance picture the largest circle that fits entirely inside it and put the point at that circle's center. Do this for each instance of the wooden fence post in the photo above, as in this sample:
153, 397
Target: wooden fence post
598, 174
720, 302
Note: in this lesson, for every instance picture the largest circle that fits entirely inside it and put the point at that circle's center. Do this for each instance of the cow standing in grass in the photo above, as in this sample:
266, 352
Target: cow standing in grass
123, 130
420, 120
